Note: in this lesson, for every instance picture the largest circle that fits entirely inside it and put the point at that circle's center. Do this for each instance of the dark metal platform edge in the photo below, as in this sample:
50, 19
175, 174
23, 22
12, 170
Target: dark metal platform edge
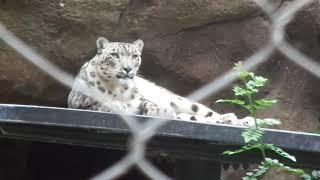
89, 128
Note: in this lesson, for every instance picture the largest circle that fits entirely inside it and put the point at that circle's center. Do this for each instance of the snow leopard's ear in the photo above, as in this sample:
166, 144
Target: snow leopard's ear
139, 44
101, 43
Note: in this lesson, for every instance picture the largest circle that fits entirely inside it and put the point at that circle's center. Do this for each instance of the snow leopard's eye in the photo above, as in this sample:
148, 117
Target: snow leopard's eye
115, 55
134, 56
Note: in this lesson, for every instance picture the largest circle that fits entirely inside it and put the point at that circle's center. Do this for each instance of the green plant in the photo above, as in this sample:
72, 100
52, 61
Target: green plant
315, 175
317, 131
246, 97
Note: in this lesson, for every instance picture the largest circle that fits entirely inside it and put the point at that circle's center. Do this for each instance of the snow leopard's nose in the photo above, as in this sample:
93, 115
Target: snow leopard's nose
127, 69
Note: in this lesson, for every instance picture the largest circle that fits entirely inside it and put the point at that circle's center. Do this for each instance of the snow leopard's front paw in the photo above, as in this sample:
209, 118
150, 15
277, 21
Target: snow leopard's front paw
247, 121
151, 109
228, 118
114, 107
167, 113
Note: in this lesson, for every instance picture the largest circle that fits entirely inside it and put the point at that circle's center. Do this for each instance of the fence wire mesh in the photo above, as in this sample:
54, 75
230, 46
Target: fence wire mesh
141, 133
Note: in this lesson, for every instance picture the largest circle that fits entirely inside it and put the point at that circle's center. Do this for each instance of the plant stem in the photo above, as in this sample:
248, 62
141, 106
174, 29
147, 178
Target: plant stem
263, 151
253, 111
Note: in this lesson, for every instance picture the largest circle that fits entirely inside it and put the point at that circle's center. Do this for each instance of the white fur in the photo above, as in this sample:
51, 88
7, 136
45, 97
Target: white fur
140, 95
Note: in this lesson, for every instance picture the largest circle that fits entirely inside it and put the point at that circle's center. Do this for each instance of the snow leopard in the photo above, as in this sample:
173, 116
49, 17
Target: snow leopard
109, 82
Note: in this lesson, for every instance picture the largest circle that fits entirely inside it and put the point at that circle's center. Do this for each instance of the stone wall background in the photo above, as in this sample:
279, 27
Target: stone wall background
187, 44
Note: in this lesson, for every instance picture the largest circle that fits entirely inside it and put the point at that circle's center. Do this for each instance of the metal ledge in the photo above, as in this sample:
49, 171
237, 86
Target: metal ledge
176, 138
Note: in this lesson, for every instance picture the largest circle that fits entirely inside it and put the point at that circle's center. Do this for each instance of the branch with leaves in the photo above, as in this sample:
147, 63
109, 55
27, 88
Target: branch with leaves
246, 94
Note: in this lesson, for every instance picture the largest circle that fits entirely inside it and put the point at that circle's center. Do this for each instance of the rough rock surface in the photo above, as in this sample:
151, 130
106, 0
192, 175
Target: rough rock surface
187, 44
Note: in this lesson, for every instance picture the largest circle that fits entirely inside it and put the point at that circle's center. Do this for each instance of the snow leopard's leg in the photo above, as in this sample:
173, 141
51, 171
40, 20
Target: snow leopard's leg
151, 109
193, 111
78, 100
229, 118
114, 107
183, 105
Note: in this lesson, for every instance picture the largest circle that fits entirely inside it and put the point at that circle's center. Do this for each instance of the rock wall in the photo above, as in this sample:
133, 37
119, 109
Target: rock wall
187, 44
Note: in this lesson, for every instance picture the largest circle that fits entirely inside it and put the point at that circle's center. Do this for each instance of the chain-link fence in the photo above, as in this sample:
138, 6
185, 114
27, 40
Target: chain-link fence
141, 133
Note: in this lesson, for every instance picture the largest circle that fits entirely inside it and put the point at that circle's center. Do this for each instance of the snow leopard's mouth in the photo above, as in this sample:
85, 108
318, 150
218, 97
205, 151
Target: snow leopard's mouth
124, 76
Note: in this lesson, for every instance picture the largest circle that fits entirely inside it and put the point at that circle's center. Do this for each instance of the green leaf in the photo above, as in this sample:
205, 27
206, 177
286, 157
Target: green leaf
245, 74
316, 174
243, 149
235, 101
252, 134
267, 122
294, 171
255, 83
248, 74
260, 81
274, 163
256, 173
249, 173
306, 177
239, 91
317, 131
264, 103
246, 178
280, 152
251, 85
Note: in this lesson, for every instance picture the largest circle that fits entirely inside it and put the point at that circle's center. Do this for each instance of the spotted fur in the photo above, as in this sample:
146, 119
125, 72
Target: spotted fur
109, 82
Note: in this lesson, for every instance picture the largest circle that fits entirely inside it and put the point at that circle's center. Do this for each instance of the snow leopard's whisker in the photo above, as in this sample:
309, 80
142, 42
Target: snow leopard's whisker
140, 75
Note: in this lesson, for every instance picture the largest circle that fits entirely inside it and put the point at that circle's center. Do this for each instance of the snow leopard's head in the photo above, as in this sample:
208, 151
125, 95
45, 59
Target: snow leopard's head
118, 60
